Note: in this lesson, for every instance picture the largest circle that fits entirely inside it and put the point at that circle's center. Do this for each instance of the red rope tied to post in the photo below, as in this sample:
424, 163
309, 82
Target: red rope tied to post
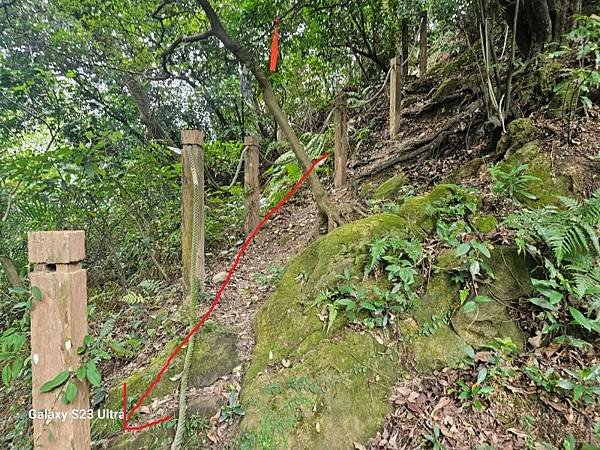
275, 46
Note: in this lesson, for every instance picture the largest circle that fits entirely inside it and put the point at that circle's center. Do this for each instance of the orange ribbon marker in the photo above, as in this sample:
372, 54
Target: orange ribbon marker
275, 46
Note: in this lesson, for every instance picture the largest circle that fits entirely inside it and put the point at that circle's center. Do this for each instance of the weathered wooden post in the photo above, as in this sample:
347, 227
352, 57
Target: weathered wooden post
404, 47
191, 140
395, 96
341, 140
423, 44
251, 183
58, 326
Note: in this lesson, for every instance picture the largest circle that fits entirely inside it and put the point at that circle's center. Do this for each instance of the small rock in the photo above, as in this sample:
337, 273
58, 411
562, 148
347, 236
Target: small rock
219, 277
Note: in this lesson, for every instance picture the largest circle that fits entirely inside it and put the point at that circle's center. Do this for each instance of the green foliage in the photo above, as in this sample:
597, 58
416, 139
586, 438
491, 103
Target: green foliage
567, 241
435, 439
87, 371
271, 277
376, 306
584, 39
452, 214
581, 385
232, 408
513, 182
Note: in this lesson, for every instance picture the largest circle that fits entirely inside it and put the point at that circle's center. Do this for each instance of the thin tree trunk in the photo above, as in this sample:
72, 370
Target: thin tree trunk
11, 271
326, 209
156, 130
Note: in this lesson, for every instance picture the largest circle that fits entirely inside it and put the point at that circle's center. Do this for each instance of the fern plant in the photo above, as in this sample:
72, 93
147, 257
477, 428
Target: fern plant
571, 236
513, 182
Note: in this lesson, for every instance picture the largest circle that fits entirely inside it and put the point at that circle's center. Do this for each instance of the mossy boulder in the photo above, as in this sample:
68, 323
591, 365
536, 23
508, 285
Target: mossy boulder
447, 87
215, 354
518, 133
328, 395
445, 328
390, 189
330, 398
490, 320
549, 186
452, 65
309, 389
415, 210
467, 170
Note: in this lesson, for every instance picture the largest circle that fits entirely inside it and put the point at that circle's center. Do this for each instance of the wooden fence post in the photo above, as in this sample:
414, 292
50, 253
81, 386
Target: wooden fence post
191, 140
405, 47
341, 140
423, 45
395, 96
58, 326
251, 183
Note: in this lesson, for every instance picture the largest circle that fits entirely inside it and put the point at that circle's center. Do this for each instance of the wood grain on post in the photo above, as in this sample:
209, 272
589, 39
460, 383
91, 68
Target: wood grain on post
191, 140
251, 183
405, 47
341, 141
395, 96
423, 44
58, 326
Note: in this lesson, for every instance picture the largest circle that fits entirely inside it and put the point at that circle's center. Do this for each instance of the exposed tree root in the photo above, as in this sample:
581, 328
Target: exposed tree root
423, 146
463, 94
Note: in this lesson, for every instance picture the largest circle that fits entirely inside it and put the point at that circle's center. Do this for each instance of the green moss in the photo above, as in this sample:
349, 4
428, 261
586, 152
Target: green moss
326, 400
328, 381
390, 189
283, 325
544, 78
447, 87
518, 133
215, 354
441, 294
452, 65
156, 438
549, 186
467, 170
485, 223
441, 349
561, 101
414, 210
490, 320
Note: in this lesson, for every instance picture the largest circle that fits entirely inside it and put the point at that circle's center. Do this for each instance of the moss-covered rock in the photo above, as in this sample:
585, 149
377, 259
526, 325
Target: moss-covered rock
330, 398
327, 398
215, 354
467, 170
284, 328
445, 328
414, 210
390, 189
549, 186
518, 133
447, 87
306, 389
452, 65
485, 223
562, 100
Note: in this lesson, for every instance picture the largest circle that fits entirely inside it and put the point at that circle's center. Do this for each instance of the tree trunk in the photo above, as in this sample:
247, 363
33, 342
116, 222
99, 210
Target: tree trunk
540, 22
155, 129
326, 209
10, 271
